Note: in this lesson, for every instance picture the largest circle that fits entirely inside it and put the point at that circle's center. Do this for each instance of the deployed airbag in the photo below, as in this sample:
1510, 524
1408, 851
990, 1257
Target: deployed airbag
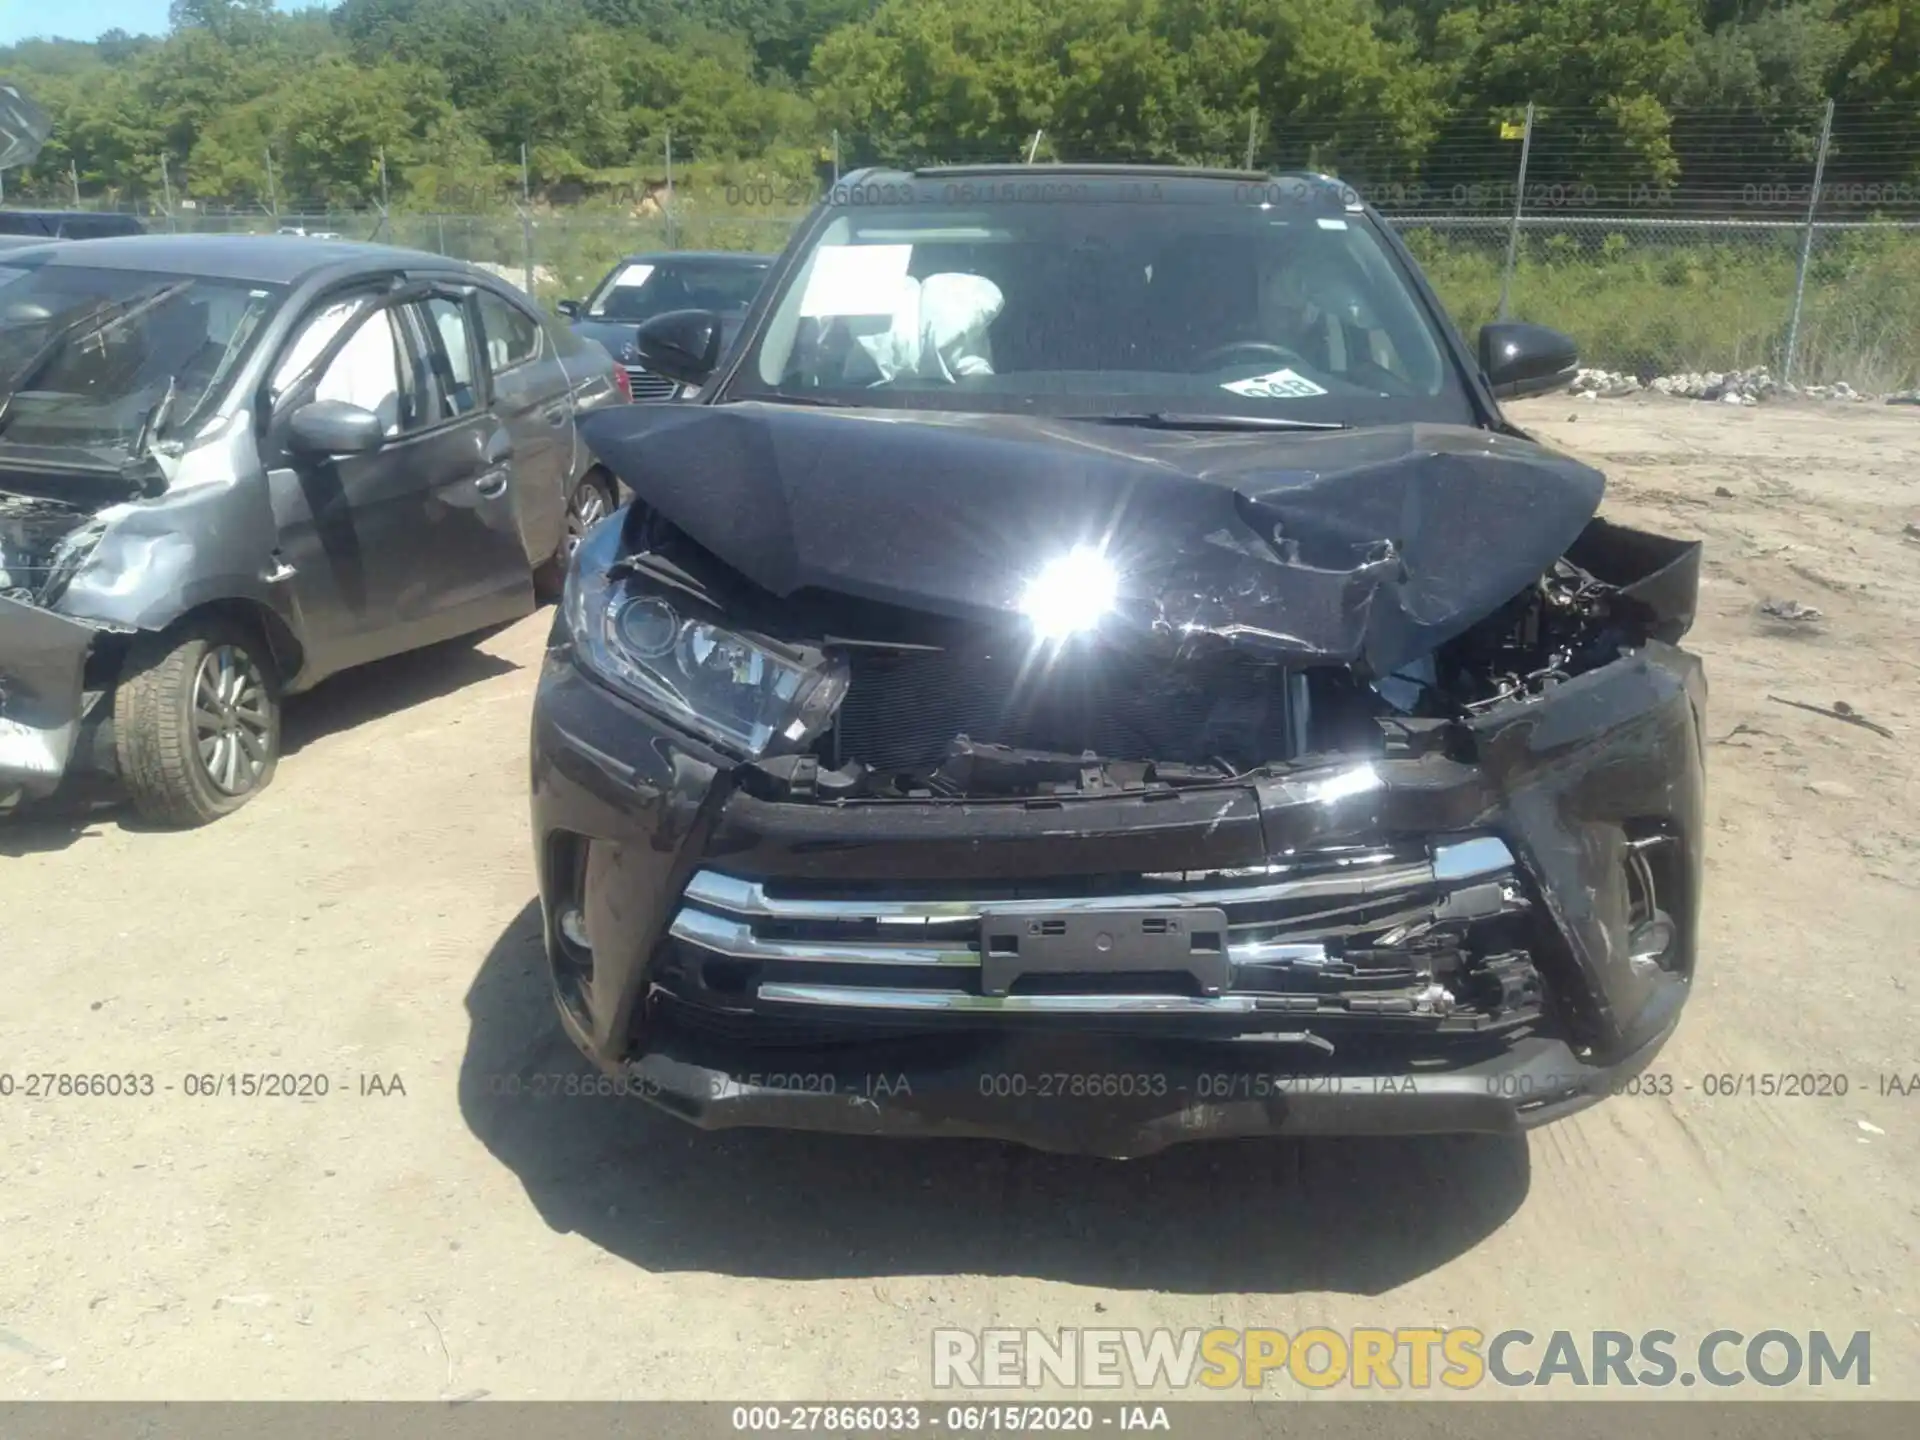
937, 330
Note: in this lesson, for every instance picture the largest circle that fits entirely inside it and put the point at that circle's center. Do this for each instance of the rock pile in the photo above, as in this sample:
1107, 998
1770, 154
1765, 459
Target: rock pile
1737, 387
1604, 383
1731, 387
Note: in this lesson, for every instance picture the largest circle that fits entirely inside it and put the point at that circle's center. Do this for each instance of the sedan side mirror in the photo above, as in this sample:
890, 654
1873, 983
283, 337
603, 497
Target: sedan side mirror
324, 428
1521, 359
682, 345
568, 308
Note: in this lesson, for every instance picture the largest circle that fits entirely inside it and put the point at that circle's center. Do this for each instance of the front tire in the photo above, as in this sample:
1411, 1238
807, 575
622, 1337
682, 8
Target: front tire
196, 721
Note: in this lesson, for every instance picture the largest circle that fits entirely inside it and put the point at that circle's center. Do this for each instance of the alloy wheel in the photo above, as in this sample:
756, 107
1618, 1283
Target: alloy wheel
232, 726
587, 509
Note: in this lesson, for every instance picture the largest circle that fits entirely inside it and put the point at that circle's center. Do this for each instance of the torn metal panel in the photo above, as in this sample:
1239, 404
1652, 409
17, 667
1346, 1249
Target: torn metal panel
1364, 547
41, 659
1657, 577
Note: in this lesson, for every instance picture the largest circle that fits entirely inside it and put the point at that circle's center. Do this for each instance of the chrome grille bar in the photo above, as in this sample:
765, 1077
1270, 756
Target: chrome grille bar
739, 942
860, 997
732, 938
749, 899
935, 959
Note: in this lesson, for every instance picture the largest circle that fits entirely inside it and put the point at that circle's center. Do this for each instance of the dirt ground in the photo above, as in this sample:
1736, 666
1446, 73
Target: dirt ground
373, 915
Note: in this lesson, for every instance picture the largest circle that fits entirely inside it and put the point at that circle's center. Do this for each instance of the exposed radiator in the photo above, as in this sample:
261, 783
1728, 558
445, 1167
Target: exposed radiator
902, 709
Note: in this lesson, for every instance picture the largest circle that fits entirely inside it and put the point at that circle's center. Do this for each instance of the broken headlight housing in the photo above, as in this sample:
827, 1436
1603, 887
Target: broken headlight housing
745, 693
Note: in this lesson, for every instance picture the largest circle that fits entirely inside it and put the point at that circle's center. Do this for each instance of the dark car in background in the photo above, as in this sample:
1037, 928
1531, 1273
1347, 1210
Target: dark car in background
231, 466
640, 287
30, 227
1096, 667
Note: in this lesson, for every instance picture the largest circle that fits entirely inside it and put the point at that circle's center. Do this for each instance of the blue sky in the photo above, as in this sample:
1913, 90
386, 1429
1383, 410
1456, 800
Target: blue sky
86, 21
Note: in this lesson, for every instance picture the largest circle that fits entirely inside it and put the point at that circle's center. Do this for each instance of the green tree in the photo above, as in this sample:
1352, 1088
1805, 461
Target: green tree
1880, 67
232, 21
1716, 93
1143, 79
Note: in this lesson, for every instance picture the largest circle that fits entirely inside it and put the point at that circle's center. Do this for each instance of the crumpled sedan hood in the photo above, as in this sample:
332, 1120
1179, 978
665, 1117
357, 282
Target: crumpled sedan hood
1363, 547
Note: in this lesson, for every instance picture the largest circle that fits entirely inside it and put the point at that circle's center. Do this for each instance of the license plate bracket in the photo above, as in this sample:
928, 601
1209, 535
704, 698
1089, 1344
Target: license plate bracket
1190, 940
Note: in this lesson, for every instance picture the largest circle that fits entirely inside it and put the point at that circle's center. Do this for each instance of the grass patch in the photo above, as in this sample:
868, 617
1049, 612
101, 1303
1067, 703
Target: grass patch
1657, 306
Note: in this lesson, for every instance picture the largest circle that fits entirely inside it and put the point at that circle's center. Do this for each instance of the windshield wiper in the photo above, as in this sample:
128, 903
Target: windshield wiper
101, 317
154, 419
1171, 420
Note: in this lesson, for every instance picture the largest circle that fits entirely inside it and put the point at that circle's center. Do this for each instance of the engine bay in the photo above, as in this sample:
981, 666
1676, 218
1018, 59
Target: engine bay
36, 534
959, 713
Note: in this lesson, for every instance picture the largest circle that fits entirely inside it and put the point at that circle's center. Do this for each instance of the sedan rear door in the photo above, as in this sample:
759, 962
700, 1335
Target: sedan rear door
533, 398
591, 377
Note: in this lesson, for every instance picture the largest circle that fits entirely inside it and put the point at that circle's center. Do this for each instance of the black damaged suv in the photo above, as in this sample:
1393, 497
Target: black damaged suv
1097, 668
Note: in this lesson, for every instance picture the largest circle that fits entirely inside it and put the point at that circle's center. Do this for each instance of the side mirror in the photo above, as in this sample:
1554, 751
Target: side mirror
682, 345
1521, 359
568, 308
333, 427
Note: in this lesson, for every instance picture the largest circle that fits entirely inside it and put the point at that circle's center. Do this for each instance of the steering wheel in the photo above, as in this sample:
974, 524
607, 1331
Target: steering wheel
1221, 356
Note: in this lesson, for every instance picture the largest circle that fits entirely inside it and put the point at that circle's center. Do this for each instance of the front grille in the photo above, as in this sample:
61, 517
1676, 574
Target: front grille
1390, 931
648, 386
902, 710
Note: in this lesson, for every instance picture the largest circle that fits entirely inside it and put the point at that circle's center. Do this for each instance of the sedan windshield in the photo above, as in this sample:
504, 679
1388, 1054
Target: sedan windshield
94, 359
1108, 307
642, 289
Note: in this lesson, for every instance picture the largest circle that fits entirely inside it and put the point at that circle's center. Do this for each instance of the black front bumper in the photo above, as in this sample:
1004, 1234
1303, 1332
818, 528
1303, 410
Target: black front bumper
1118, 1098
627, 812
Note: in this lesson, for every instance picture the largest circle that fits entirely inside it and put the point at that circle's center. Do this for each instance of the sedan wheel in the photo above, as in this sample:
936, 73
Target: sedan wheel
589, 506
230, 722
196, 722
590, 503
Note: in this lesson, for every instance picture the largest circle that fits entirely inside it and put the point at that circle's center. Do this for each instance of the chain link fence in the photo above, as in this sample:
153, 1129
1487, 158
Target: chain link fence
1645, 296
1780, 244
1673, 296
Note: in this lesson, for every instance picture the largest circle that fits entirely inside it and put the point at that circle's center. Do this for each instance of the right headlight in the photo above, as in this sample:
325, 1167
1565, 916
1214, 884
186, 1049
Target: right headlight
745, 693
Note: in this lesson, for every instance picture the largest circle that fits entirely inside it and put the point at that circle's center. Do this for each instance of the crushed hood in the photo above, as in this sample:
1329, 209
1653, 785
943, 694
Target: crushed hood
1362, 547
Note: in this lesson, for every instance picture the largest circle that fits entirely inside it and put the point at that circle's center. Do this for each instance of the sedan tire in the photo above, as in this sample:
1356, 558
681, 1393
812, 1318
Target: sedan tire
196, 721
591, 502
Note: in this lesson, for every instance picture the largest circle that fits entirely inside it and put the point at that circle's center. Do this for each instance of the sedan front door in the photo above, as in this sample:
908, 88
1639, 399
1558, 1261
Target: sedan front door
416, 541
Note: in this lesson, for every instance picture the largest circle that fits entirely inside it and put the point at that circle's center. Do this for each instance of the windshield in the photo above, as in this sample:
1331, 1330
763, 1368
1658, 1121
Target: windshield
642, 289
113, 359
1214, 308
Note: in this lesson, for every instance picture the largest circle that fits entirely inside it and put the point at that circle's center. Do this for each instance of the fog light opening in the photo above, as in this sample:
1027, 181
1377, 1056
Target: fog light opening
1651, 933
572, 924
1651, 943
